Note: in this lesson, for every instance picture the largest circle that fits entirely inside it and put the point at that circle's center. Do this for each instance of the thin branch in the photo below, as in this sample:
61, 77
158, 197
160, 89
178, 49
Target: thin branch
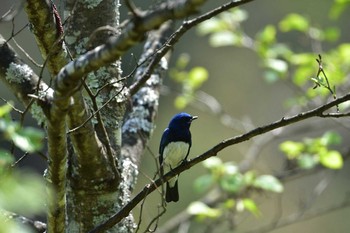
95, 112
317, 112
131, 33
169, 44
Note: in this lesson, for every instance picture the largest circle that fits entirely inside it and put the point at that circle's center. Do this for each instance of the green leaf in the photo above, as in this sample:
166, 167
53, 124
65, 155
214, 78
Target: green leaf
178, 76
331, 159
268, 183
292, 149
211, 26
6, 159
212, 163
294, 22
203, 183
229, 203
232, 183
28, 139
5, 109
181, 102
251, 206
306, 161
236, 14
267, 35
230, 168
277, 65
23, 193
332, 34
344, 51
224, 38
319, 81
331, 138
183, 61
338, 8
197, 76
203, 211
249, 177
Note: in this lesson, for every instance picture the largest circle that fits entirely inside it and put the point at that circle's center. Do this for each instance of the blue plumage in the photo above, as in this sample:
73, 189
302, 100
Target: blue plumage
174, 148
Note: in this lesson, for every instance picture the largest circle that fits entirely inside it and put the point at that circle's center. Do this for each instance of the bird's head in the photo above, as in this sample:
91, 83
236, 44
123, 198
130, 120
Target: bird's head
181, 120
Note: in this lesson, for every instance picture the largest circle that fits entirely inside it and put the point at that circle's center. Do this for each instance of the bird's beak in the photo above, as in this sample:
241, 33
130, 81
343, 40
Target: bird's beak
194, 118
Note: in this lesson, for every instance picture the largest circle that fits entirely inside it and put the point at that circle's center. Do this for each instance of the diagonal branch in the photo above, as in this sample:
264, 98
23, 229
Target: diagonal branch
169, 44
132, 32
149, 188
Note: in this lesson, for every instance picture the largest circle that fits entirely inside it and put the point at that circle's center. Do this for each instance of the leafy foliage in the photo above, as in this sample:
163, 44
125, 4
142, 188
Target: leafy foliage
226, 179
190, 80
313, 151
28, 139
281, 61
22, 192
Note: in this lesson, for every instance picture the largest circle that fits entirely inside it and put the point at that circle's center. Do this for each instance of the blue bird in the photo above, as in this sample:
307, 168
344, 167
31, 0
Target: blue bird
173, 150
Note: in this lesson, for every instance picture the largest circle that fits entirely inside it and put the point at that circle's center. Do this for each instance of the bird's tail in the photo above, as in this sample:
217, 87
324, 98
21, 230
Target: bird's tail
172, 193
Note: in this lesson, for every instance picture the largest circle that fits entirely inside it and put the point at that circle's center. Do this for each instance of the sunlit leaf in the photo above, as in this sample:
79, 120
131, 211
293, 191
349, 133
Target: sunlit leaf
302, 75
224, 38
344, 51
303, 59
229, 203
232, 183
212, 163
197, 76
268, 183
211, 26
249, 177
239, 15
338, 8
292, 149
203, 211
267, 35
230, 168
294, 22
177, 75
181, 102
5, 109
28, 139
251, 206
331, 159
277, 65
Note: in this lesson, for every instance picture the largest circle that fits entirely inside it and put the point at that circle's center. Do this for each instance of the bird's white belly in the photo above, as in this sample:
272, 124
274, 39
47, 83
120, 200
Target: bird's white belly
174, 153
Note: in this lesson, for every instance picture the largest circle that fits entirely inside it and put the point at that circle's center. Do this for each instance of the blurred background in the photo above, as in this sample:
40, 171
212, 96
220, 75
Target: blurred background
237, 87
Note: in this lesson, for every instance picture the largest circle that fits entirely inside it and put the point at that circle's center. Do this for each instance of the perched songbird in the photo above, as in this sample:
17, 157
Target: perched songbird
174, 148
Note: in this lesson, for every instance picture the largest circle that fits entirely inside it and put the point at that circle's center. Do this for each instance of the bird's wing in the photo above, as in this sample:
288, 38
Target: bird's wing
163, 142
